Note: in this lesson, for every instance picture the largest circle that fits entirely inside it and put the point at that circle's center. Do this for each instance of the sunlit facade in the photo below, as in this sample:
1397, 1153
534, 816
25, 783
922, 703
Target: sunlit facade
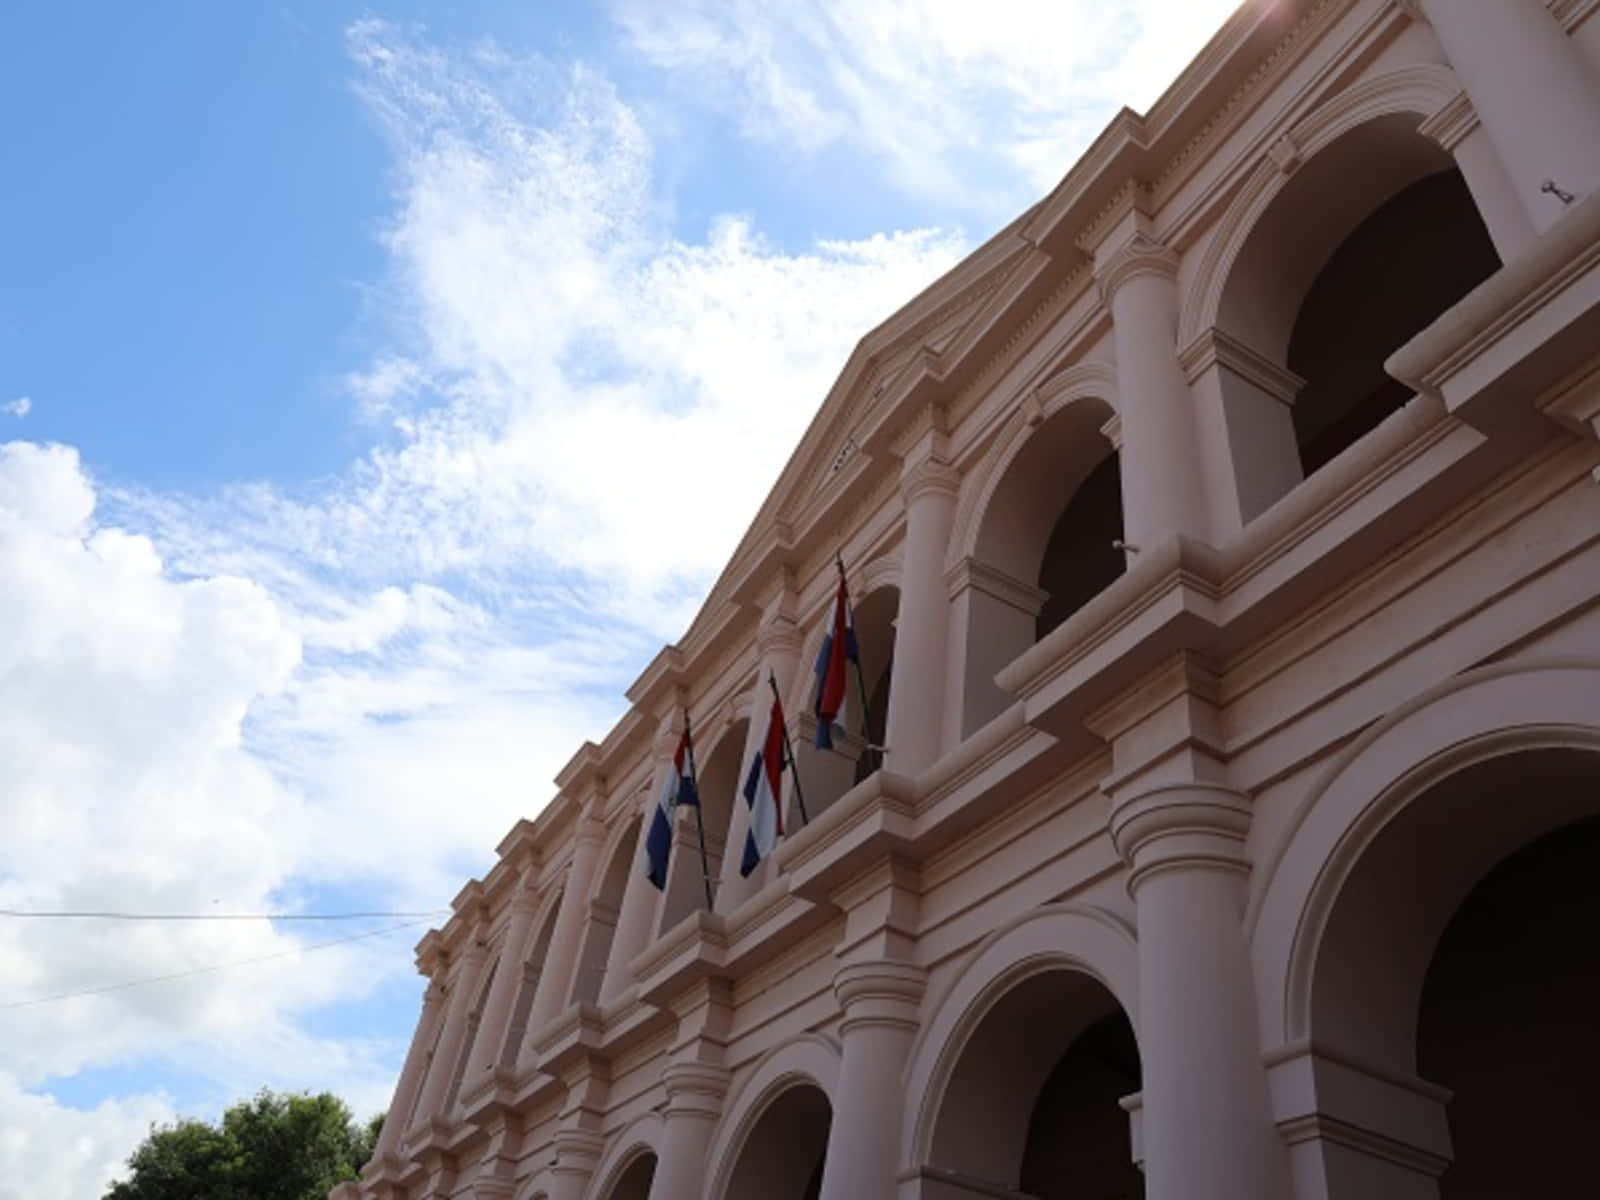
1225, 543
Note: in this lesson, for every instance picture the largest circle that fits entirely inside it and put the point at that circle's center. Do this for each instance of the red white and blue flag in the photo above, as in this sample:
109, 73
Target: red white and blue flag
678, 787
763, 792
833, 666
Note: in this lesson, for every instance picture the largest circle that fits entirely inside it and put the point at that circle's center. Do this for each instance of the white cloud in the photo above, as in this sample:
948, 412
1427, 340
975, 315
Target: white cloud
978, 106
19, 408
51, 1152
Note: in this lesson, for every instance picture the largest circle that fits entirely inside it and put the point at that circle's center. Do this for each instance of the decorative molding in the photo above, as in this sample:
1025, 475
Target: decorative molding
1215, 347
1140, 255
1572, 13
1452, 124
991, 581
1285, 155
881, 994
1112, 431
929, 477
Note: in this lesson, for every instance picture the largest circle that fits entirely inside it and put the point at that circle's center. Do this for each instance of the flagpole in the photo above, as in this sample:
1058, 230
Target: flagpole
699, 808
788, 751
861, 684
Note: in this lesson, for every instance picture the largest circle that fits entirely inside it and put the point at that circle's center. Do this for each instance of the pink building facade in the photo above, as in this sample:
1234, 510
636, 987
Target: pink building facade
1225, 542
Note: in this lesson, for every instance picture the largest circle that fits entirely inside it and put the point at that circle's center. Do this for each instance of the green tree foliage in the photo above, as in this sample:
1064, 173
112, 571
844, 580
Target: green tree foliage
271, 1147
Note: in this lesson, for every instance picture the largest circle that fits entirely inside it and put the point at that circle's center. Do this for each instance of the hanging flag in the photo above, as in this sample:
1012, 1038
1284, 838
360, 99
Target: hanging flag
763, 790
677, 788
838, 651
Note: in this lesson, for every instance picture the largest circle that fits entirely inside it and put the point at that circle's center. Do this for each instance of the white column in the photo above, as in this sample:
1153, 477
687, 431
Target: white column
405, 1092
1458, 130
1532, 92
441, 1071
555, 976
694, 1105
779, 645
1163, 483
495, 1022
915, 725
633, 922
1207, 1124
880, 1000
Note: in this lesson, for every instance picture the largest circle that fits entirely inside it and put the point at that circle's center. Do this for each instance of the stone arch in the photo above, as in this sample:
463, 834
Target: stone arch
1058, 939
1091, 381
1480, 715
809, 1060
1367, 898
1354, 232
531, 965
1035, 534
639, 1137
1419, 91
618, 857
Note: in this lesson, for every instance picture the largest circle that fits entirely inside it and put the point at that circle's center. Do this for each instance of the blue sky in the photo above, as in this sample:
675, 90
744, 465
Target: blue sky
338, 348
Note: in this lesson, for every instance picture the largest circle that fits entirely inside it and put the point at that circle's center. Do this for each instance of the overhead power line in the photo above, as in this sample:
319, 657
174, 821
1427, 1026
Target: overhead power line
207, 970
102, 915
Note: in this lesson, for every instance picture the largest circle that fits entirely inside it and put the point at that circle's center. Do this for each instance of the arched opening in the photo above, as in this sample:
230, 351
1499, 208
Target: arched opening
1416, 255
1033, 1102
635, 1181
859, 731
719, 777
783, 1155
532, 965
1364, 246
1454, 955
1511, 1017
474, 1023
605, 906
1046, 545
1081, 558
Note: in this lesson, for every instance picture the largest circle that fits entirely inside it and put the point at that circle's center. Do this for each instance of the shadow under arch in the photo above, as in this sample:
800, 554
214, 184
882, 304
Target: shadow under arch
638, 1140
1352, 237
1378, 878
1035, 539
1018, 1072
749, 1138
605, 908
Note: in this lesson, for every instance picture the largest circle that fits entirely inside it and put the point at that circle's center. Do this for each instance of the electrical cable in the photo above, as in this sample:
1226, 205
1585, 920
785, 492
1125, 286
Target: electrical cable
100, 915
206, 970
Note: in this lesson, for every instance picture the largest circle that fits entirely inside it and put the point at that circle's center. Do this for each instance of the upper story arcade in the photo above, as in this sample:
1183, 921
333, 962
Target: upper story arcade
1251, 341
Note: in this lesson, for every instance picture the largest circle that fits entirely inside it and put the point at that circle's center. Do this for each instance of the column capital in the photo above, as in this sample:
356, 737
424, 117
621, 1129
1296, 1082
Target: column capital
695, 1089
777, 636
880, 993
588, 829
928, 477
1191, 825
1141, 254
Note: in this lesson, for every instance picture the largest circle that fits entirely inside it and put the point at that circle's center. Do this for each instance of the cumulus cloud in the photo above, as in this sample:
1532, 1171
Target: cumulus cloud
51, 1152
20, 407
980, 106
